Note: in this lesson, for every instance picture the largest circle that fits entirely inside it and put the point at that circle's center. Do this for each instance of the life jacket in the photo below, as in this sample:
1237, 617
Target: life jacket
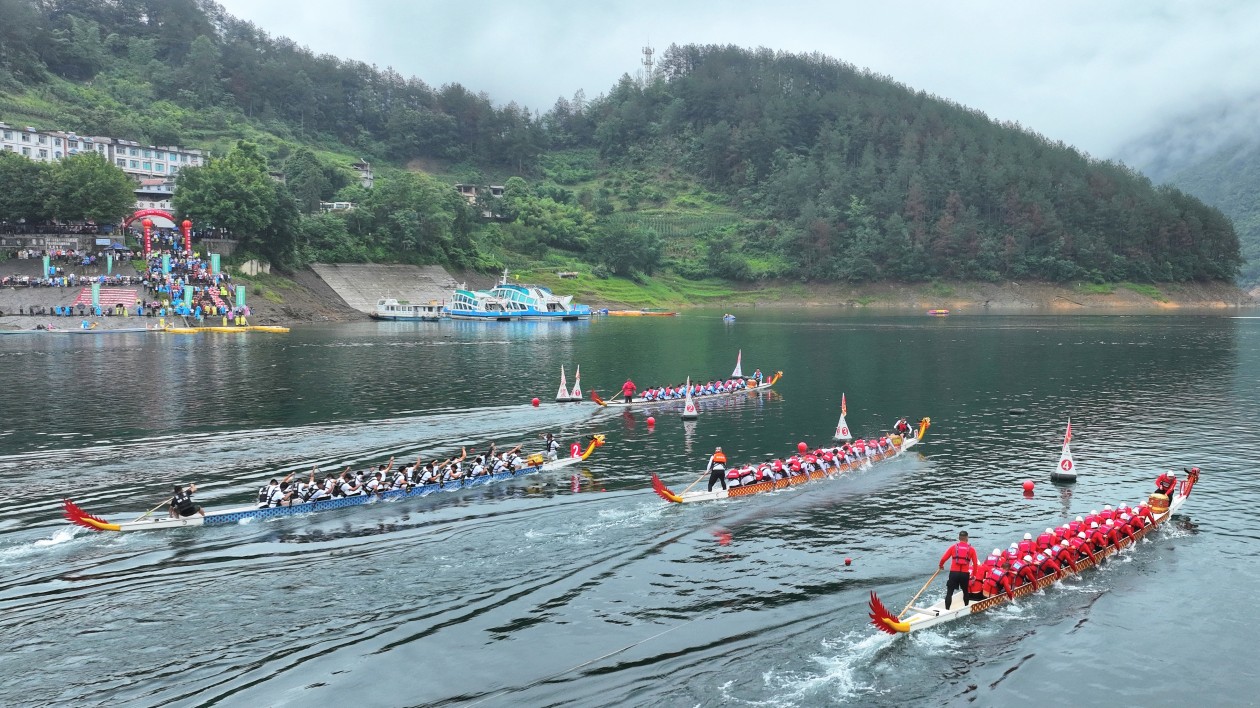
975, 585
960, 557
733, 474
1044, 541
997, 579
719, 460
264, 495
183, 504
1026, 548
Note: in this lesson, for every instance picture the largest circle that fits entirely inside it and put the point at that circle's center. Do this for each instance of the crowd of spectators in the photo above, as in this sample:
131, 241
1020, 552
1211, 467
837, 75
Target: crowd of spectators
8, 227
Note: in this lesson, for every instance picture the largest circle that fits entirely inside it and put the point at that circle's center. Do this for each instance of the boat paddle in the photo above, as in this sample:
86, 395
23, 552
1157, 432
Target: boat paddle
920, 592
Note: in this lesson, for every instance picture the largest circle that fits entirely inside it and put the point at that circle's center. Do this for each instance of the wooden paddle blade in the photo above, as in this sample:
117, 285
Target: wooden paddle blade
664, 492
76, 515
883, 619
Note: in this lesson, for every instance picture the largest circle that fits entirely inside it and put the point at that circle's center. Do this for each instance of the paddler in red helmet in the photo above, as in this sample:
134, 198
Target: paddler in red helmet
961, 557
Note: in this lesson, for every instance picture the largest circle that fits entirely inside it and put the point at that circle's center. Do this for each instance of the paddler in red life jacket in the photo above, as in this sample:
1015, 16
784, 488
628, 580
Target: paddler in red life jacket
998, 580
717, 469
1063, 554
627, 390
1046, 564
1026, 546
961, 557
1045, 540
1026, 572
1166, 484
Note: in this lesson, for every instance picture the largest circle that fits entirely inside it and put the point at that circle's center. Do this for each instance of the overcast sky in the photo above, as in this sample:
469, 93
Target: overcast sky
1092, 74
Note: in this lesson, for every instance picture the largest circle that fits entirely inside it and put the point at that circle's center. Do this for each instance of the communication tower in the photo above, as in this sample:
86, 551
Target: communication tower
648, 70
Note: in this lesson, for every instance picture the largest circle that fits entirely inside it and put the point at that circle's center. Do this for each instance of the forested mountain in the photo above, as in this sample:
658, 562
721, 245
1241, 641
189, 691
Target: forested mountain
1213, 154
730, 162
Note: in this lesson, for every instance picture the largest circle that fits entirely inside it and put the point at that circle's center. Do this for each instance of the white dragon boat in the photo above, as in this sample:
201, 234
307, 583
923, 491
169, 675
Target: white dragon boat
932, 615
536, 463
899, 445
640, 402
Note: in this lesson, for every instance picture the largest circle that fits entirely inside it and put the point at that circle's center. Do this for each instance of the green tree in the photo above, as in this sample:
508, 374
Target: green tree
306, 179
87, 187
24, 188
233, 193
626, 249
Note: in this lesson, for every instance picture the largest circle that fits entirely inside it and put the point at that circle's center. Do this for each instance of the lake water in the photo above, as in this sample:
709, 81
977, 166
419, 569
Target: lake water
587, 589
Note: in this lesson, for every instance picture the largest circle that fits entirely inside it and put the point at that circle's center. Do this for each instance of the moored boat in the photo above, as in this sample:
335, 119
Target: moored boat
535, 302
938, 313
640, 313
403, 311
536, 463
924, 617
478, 305
899, 445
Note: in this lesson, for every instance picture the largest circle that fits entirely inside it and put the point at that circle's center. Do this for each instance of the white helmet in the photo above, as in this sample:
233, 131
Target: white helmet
1110, 522
1125, 517
1028, 559
1093, 524
996, 552
1050, 531
1080, 519
1027, 537
1093, 512
1081, 535
1106, 507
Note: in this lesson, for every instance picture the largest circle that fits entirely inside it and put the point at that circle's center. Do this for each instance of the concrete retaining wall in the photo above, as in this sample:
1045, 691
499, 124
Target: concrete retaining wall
361, 285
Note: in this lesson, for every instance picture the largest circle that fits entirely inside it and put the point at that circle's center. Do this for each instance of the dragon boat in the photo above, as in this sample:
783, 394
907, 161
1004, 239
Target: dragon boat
924, 617
900, 445
536, 463
640, 402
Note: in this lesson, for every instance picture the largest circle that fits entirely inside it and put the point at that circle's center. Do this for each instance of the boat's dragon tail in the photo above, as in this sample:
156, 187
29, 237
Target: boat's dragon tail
884, 620
923, 426
595, 397
664, 492
76, 515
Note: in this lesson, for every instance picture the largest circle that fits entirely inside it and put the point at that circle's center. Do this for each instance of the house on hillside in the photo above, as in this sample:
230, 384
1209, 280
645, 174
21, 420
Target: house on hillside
469, 193
363, 168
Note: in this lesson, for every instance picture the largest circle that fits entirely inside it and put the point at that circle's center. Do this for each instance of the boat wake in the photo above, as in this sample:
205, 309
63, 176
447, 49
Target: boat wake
843, 676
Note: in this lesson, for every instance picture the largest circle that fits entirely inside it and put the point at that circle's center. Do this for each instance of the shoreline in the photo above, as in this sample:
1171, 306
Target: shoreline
302, 298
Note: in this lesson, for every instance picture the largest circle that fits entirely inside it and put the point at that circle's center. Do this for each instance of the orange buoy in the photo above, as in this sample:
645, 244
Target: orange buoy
534, 403
1028, 485
848, 561
651, 421
802, 447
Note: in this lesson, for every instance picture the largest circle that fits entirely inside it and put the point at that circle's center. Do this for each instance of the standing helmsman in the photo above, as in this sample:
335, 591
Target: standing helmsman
961, 558
717, 469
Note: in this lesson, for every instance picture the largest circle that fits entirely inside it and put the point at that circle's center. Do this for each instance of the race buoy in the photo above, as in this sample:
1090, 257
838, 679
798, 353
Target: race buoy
801, 447
848, 561
534, 403
651, 421
1028, 485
